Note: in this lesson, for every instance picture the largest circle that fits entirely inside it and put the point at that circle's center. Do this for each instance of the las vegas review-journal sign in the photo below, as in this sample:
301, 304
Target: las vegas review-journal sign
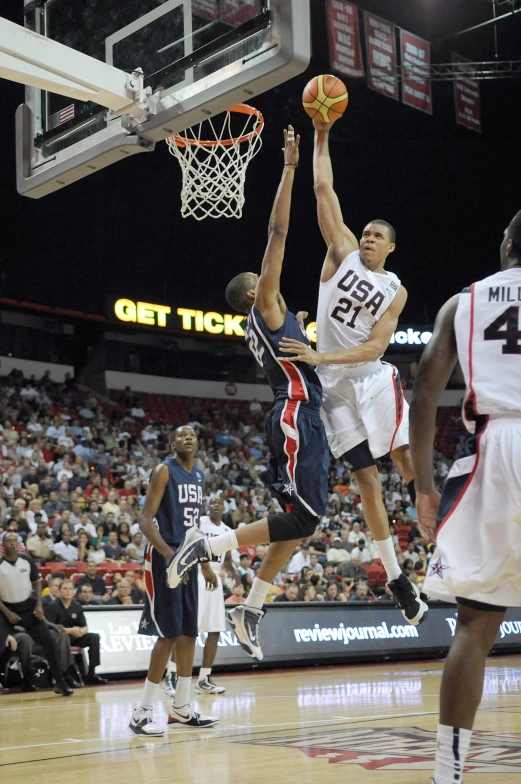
230, 324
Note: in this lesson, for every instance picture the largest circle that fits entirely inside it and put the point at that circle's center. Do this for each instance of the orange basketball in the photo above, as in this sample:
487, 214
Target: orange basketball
325, 97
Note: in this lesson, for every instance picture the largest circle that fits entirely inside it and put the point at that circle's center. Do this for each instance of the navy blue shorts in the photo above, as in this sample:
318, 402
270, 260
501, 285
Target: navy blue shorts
168, 612
298, 462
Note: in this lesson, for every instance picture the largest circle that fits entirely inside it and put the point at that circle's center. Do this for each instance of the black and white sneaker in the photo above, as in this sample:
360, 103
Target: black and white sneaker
207, 686
245, 621
407, 597
187, 717
170, 683
194, 549
142, 723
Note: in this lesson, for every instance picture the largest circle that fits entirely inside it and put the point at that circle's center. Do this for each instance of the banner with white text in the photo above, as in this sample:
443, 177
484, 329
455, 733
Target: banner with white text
380, 39
467, 95
416, 67
345, 49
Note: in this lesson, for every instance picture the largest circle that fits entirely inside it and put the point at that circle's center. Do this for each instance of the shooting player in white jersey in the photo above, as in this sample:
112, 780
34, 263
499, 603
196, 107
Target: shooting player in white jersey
477, 521
364, 410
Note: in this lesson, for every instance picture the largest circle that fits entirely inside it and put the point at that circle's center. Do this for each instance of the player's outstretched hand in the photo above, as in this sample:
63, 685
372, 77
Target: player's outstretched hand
300, 352
291, 145
427, 505
320, 125
301, 318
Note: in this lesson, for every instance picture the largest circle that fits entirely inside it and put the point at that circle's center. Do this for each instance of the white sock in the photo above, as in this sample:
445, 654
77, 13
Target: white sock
221, 544
451, 752
388, 556
182, 692
151, 694
257, 595
204, 672
172, 667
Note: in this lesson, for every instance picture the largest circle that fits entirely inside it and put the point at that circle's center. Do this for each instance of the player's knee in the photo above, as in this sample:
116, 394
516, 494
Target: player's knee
286, 526
369, 482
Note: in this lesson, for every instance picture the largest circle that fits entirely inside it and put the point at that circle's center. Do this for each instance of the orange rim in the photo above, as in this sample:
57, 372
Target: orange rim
240, 108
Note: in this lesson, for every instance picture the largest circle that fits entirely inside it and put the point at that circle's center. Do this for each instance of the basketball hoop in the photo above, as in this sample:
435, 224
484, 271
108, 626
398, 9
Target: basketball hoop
214, 169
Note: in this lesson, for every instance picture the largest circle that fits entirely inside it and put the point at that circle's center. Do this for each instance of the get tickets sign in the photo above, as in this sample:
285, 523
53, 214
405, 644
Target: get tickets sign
232, 325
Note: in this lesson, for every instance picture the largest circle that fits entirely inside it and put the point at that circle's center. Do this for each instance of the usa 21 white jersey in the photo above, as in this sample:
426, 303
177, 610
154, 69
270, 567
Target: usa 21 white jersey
351, 303
488, 336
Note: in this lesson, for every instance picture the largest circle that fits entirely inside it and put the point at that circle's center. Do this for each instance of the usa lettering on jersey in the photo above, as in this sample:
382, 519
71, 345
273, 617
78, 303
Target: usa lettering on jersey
360, 290
190, 494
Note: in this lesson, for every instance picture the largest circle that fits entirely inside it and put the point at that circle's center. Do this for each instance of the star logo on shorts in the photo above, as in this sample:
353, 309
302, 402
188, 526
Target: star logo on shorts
145, 624
437, 568
288, 489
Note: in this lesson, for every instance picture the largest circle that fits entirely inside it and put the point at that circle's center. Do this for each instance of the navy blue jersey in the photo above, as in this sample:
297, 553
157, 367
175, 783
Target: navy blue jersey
180, 506
288, 380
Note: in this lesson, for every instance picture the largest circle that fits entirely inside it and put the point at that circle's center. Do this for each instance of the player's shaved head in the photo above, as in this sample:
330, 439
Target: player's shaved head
237, 291
390, 229
514, 231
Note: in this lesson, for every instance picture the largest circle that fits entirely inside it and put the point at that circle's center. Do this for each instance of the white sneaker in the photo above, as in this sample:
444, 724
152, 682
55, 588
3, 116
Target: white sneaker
189, 718
244, 621
142, 723
170, 683
207, 686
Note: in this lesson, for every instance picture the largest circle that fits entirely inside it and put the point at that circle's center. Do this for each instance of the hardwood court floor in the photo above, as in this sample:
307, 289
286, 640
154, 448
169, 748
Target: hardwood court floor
344, 724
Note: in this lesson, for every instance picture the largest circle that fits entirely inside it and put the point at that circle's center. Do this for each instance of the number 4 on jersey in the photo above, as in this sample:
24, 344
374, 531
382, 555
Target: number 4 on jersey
510, 335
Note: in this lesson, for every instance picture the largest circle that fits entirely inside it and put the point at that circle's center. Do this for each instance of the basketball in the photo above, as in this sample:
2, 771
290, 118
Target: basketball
325, 97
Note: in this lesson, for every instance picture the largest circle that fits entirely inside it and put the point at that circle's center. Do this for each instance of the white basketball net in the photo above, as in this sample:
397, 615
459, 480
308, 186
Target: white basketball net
214, 162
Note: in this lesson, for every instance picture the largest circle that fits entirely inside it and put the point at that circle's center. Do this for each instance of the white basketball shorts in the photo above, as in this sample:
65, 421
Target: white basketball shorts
369, 407
211, 616
478, 551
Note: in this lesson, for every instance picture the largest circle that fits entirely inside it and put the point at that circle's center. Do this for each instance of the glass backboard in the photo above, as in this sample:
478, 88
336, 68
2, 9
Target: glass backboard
198, 58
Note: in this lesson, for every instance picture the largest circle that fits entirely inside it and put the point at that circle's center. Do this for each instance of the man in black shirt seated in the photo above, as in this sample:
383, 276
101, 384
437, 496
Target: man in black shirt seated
99, 588
21, 605
67, 612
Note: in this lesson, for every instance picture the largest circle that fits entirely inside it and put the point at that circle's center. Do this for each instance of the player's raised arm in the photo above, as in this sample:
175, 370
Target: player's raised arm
339, 239
155, 492
370, 351
435, 369
267, 298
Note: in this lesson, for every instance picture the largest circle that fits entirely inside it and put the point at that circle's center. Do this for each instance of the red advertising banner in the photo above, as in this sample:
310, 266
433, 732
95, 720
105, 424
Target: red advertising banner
380, 39
206, 8
345, 48
237, 12
416, 66
467, 95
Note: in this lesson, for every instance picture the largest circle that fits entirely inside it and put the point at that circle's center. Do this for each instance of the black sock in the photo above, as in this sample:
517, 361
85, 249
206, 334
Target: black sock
412, 491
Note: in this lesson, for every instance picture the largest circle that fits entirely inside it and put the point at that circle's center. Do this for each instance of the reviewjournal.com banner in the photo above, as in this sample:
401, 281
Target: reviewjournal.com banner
301, 633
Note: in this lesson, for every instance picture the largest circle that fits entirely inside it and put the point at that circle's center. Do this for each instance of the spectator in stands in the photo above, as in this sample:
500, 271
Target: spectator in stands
332, 593
63, 550
237, 595
136, 549
241, 514
308, 593
85, 548
97, 583
361, 551
352, 570
86, 595
39, 546
245, 565
53, 506
110, 504
336, 553
54, 591
123, 532
300, 559
113, 550
67, 612
123, 594
315, 564
361, 593
356, 534
399, 555
387, 595
408, 570
291, 594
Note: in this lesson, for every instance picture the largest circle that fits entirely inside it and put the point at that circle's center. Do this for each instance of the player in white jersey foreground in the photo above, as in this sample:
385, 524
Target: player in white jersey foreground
364, 411
478, 554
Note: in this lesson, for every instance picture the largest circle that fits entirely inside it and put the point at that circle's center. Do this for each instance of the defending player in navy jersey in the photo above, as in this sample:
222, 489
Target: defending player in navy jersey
298, 465
172, 505
477, 520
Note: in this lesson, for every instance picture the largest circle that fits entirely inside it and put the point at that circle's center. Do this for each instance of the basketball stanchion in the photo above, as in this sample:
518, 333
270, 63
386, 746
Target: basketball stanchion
214, 169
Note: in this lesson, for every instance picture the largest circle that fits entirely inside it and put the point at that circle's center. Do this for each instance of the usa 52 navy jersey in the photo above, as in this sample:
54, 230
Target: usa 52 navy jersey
180, 506
288, 380
172, 613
